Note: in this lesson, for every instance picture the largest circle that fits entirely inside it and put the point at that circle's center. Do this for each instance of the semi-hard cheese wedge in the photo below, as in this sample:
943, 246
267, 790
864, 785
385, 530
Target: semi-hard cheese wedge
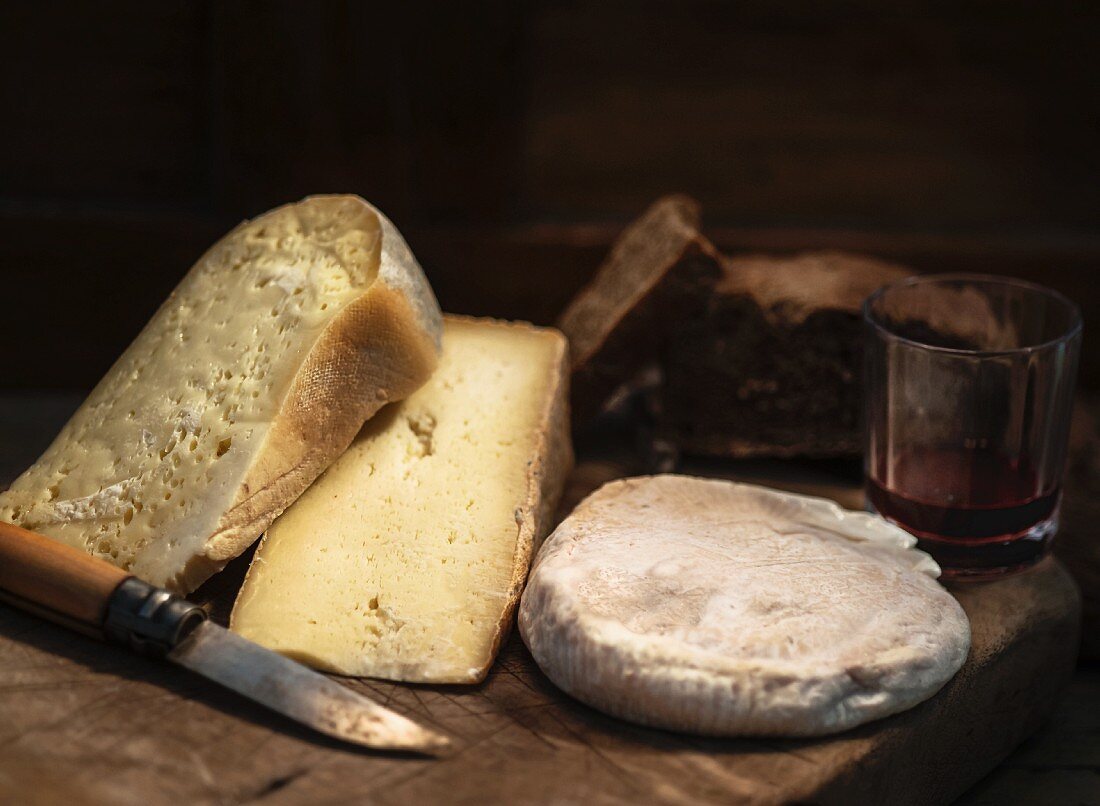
253, 376
728, 609
405, 560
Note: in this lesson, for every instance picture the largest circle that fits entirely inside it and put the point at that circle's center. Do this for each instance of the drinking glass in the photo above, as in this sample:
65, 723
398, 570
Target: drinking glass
968, 393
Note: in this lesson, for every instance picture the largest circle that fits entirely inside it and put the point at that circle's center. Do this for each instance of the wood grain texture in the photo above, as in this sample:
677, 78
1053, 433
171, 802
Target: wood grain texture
1060, 764
1077, 543
85, 722
520, 271
495, 134
795, 111
52, 575
128, 729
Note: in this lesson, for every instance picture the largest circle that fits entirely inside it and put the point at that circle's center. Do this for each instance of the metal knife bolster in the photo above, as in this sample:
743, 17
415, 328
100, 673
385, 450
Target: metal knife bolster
149, 619
65, 585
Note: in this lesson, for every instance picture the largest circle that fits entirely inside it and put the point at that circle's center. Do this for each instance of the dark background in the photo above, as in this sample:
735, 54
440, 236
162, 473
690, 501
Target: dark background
510, 141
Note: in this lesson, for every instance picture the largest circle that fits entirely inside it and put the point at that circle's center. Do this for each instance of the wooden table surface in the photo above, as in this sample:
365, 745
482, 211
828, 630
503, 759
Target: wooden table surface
1060, 763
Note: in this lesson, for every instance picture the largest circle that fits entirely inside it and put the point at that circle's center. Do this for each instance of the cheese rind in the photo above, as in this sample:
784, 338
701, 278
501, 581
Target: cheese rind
405, 560
728, 609
252, 377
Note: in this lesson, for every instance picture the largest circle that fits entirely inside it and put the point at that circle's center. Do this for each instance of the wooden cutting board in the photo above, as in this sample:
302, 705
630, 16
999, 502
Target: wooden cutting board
84, 721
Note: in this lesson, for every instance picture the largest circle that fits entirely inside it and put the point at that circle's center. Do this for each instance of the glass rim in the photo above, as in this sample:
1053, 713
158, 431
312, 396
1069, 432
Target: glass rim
1072, 330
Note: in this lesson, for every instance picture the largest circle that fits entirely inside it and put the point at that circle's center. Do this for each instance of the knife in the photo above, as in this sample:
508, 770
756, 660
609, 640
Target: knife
91, 596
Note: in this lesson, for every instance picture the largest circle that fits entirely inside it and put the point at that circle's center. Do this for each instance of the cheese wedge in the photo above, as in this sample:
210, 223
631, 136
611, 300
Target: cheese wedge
729, 609
253, 376
405, 560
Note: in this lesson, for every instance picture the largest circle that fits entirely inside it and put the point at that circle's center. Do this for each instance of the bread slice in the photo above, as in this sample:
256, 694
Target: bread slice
253, 376
772, 365
657, 275
405, 560
730, 610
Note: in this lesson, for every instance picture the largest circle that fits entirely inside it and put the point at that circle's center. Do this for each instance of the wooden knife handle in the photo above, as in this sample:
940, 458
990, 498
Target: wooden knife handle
54, 580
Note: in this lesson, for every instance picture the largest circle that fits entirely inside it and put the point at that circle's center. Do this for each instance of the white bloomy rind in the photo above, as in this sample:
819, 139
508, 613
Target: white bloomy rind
729, 609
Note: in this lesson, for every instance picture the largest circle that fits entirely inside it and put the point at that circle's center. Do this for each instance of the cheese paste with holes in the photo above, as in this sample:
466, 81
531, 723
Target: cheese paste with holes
405, 560
728, 609
254, 375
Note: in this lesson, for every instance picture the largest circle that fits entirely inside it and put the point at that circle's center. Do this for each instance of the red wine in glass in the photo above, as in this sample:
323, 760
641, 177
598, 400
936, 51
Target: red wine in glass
979, 512
968, 388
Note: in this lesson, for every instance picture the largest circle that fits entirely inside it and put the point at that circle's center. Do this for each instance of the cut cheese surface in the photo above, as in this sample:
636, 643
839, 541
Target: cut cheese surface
251, 378
406, 558
728, 609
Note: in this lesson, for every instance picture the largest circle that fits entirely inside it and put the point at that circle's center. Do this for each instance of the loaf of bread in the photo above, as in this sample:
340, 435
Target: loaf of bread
250, 380
751, 356
772, 366
405, 560
656, 275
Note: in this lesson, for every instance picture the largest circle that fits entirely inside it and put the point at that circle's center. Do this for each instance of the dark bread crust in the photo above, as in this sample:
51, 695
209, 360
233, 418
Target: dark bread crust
772, 367
759, 355
658, 273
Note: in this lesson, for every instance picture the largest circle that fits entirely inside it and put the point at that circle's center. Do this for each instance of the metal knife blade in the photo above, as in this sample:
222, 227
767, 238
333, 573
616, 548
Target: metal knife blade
298, 692
66, 586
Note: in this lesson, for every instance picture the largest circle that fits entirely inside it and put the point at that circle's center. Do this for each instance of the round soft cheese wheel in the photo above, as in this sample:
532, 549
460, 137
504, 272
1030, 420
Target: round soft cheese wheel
729, 609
